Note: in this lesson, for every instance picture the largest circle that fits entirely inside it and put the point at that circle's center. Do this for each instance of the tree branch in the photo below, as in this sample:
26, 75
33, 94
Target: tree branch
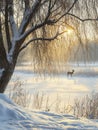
37, 26
46, 20
11, 18
28, 14
39, 39
83, 20
3, 59
75, 1
68, 13
7, 27
22, 37
49, 10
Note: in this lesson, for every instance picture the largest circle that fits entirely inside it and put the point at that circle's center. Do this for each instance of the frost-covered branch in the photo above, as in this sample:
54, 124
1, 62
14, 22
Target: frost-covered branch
22, 37
40, 24
28, 14
11, 19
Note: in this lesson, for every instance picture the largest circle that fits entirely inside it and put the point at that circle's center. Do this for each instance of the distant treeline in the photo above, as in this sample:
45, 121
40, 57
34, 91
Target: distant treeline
85, 53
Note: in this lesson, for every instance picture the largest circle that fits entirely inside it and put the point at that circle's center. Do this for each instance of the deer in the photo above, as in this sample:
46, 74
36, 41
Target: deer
70, 73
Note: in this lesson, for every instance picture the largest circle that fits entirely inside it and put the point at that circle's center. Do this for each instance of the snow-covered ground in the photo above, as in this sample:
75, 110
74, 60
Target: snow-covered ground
13, 117
84, 81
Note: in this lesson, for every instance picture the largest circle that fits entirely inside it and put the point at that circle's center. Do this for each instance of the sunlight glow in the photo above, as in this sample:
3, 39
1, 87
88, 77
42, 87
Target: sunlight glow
69, 31
66, 31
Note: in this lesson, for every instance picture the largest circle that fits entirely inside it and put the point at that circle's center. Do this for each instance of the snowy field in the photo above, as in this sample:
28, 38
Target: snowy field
84, 81
12, 117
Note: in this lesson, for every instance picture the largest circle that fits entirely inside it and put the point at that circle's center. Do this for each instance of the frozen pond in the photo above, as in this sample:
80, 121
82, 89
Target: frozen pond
84, 81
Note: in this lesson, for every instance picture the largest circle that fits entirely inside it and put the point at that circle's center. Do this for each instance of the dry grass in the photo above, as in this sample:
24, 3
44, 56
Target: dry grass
84, 107
20, 95
37, 100
87, 106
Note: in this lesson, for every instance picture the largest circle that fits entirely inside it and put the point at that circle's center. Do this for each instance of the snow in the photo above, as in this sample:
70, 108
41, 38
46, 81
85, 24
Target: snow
11, 52
14, 117
13, 26
67, 88
1, 71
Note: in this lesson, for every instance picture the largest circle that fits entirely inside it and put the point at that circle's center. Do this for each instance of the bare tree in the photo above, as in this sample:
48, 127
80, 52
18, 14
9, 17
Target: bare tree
16, 18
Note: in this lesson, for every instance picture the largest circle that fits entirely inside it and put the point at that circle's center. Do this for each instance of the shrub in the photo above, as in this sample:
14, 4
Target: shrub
87, 106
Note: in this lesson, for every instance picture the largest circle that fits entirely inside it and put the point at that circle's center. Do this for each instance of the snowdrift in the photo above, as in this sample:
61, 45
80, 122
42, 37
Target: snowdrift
13, 117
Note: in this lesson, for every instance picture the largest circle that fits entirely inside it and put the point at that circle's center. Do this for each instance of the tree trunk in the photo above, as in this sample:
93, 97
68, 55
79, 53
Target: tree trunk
5, 77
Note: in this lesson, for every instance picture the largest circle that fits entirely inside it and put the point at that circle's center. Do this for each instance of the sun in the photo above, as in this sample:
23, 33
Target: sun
66, 32
69, 31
